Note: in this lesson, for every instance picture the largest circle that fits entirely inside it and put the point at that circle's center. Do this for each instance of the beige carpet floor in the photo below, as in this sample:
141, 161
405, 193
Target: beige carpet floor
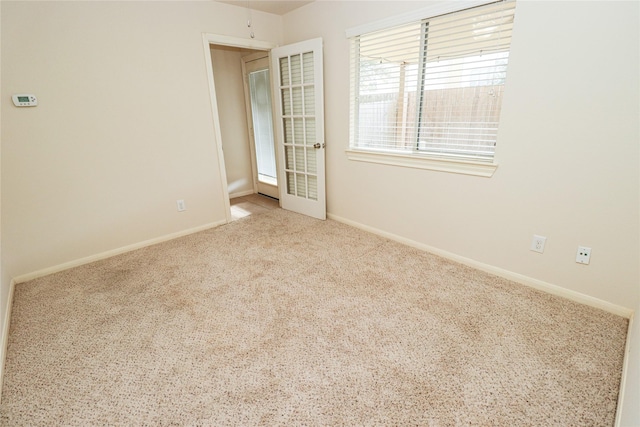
282, 320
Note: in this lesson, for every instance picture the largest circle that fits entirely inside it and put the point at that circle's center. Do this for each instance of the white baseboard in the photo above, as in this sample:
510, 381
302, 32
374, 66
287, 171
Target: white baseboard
4, 341
113, 252
241, 194
516, 277
625, 373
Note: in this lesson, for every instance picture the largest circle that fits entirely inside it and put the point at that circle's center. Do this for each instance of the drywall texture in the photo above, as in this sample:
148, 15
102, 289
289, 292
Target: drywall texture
122, 130
227, 73
568, 150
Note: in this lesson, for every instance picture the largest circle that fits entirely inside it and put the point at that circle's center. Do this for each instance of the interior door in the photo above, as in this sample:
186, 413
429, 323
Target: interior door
298, 88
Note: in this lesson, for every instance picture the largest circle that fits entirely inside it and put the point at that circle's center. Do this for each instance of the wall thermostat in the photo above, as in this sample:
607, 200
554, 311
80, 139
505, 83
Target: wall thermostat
24, 100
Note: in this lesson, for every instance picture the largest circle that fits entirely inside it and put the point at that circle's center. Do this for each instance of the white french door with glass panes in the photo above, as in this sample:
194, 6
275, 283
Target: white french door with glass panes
298, 87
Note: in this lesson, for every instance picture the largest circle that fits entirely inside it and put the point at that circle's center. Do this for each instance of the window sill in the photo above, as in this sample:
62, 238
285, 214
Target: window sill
466, 167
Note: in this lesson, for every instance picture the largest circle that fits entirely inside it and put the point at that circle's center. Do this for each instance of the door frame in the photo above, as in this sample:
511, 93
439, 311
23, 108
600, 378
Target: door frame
209, 39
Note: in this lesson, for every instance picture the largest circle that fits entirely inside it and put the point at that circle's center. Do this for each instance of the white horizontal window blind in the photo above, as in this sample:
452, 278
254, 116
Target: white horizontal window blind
433, 86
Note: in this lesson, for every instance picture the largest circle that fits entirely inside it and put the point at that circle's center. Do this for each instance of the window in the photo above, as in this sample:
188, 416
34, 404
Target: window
432, 88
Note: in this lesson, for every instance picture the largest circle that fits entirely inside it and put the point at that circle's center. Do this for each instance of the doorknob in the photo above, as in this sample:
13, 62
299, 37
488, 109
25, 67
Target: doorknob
318, 145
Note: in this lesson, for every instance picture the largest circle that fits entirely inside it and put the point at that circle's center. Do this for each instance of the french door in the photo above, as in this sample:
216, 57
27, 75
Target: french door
298, 88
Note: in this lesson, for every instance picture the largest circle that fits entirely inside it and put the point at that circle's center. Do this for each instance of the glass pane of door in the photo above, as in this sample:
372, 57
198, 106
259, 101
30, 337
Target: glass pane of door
297, 91
260, 90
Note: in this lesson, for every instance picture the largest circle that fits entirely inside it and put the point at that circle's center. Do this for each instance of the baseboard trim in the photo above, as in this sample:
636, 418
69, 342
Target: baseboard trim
241, 194
114, 252
5, 332
625, 368
516, 277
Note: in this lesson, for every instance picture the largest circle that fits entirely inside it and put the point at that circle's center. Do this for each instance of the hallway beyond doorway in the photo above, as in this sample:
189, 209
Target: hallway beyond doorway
253, 204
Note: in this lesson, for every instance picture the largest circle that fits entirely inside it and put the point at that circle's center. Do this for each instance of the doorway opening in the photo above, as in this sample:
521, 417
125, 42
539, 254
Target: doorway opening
297, 80
243, 89
226, 89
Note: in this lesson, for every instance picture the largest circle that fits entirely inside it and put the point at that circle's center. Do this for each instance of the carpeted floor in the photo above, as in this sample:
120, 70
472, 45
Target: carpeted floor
280, 319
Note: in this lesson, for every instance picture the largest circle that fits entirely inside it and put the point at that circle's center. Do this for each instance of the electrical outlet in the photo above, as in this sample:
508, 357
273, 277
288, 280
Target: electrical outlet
181, 205
537, 244
584, 255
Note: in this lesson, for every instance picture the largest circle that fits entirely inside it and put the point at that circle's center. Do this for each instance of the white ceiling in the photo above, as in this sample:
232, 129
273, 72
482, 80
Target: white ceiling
269, 6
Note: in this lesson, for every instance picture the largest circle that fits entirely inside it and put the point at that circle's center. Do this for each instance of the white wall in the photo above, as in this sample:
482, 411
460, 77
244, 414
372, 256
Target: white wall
568, 150
122, 130
227, 72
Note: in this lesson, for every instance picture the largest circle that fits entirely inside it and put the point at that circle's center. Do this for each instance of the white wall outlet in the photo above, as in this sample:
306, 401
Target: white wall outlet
537, 244
584, 255
181, 205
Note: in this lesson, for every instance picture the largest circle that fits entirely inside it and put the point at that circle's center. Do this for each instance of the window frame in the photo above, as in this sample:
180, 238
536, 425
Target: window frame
428, 161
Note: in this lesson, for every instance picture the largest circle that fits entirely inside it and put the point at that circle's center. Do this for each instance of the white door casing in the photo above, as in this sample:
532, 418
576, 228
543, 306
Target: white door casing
298, 91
